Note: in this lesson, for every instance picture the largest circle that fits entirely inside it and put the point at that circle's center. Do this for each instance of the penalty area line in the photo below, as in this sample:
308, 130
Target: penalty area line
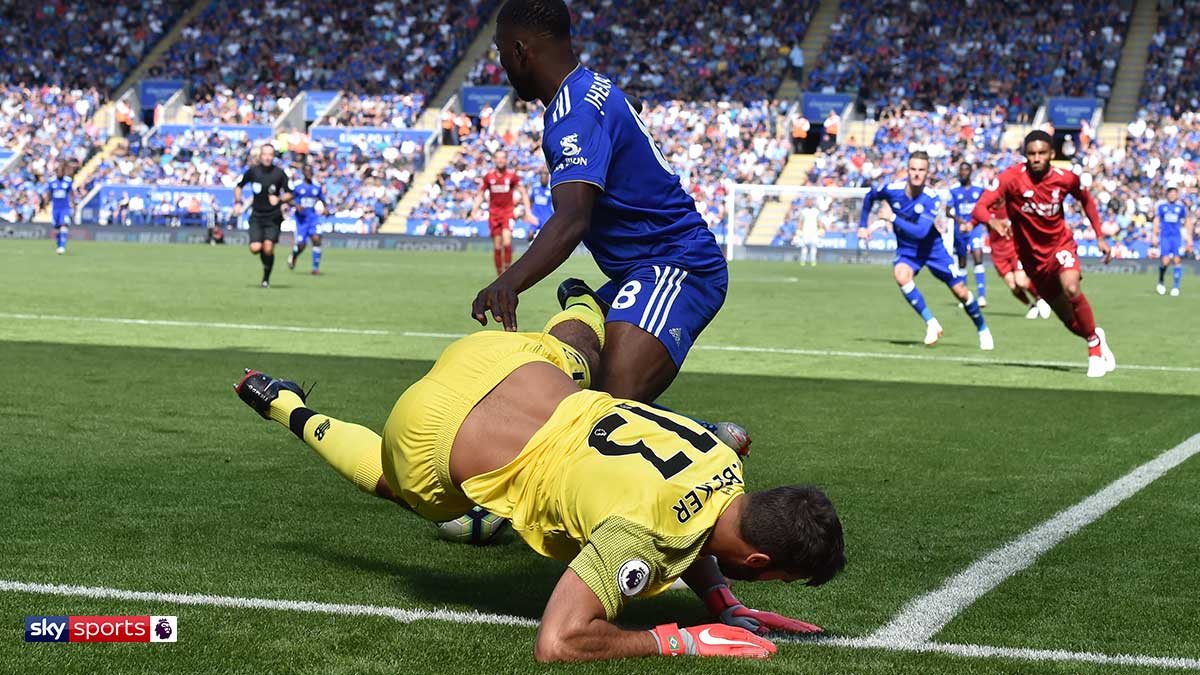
787, 351
397, 613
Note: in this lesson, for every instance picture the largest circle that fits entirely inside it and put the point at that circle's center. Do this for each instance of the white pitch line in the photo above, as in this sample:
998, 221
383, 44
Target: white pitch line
927, 615
930, 357
399, 614
821, 353
1019, 653
482, 618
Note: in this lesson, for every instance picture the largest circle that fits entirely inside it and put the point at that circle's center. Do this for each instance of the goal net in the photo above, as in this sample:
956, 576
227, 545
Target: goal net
787, 215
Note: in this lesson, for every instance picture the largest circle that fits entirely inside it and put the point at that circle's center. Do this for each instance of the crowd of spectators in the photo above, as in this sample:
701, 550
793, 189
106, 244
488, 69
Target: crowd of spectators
73, 43
980, 54
686, 49
1127, 179
257, 52
1173, 67
706, 144
363, 181
399, 111
57, 61
48, 126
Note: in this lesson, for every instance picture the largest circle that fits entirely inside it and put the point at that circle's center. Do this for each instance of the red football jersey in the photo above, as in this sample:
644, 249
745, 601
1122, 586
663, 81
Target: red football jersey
1035, 208
500, 187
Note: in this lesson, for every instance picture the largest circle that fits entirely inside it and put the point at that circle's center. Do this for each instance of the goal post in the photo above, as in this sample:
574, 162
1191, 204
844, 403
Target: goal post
755, 213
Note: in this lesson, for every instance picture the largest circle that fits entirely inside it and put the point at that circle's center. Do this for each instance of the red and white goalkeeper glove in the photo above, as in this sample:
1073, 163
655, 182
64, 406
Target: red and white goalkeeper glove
713, 639
731, 611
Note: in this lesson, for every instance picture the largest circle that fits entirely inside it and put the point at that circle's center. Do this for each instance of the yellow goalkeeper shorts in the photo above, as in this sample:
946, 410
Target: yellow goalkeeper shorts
421, 428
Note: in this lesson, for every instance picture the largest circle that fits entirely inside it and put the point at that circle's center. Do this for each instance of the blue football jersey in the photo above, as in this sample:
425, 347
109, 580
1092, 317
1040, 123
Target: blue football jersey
60, 193
307, 195
642, 216
962, 200
1172, 217
542, 202
914, 216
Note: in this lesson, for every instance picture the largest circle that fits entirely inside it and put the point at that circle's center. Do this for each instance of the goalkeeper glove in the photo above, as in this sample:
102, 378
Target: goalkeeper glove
732, 612
711, 639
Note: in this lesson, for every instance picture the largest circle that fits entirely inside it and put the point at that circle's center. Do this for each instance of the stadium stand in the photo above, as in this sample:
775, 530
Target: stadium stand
687, 49
1127, 179
259, 53
983, 54
58, 61
706, 144
1172, 83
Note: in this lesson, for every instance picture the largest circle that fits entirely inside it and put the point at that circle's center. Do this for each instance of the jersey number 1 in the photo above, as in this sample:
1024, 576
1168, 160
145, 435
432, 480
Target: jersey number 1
601, 440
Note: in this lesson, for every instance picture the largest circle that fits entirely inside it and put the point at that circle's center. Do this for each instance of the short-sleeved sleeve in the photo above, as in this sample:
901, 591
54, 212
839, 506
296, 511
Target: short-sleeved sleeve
245, 179
285, 184
622, 559
578, 150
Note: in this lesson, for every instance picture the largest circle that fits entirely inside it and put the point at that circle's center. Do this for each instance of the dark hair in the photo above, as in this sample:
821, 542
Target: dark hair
1036, 135
968, 165
549, 17
797, 526
919, 154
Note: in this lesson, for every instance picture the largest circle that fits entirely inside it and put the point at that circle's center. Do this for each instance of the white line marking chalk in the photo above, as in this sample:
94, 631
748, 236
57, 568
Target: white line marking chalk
1019, 653
820, 353
927, 615
402, 615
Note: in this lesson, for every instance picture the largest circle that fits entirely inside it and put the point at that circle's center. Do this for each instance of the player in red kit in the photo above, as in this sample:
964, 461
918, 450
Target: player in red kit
1008, 266
1033, 195
501, 187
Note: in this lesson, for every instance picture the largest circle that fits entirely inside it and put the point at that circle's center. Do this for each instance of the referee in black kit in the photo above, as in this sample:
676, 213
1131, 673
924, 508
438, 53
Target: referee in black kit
271, 190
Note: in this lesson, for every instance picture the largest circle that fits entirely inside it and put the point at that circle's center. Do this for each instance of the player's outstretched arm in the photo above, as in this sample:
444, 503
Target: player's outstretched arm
1093, 215
705, 579
553, 245
574, 627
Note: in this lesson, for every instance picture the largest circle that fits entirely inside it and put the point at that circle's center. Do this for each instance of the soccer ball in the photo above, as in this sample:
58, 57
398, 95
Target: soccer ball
478, 527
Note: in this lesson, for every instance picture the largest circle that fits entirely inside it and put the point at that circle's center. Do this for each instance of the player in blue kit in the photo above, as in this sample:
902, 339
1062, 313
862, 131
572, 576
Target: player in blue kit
968, 234
60, 207
307, 194
612, 190
541, 200
919, 244
1172, 233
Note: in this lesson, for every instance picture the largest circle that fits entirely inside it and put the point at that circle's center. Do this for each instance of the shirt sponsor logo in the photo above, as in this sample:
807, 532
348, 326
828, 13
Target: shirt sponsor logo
570, 145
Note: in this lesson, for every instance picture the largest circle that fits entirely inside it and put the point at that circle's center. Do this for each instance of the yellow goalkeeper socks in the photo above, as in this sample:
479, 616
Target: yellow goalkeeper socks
580, 308
352, 450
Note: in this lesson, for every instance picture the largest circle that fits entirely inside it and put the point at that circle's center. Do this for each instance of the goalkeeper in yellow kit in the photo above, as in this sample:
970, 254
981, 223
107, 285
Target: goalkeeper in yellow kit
631, 496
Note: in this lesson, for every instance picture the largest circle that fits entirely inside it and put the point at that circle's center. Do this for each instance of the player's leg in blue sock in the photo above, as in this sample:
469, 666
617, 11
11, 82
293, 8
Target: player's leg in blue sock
971, 306
981, 280
1178, 274
913, 295
61, 238
316, 253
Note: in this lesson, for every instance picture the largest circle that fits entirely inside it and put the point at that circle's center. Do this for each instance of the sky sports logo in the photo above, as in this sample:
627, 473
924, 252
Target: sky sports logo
101, 629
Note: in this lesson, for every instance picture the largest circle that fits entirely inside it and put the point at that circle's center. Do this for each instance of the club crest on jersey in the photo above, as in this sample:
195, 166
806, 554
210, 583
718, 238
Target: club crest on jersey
919, 208
633, 576
570, 145
256, 187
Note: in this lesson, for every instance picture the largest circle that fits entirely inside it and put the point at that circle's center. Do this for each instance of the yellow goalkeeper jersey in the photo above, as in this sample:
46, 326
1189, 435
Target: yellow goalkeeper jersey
625, 492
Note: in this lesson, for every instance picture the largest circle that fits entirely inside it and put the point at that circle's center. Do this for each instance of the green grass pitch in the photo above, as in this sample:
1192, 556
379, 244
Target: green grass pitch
128, 463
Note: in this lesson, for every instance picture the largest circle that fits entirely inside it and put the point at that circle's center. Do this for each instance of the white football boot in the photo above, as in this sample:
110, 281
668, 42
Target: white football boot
933, 332
1044, 309
1162, 290
986, 343
1110, 361
1033, 312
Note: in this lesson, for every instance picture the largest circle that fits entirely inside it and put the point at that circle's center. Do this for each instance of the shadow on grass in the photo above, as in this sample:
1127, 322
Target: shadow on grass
897, 466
